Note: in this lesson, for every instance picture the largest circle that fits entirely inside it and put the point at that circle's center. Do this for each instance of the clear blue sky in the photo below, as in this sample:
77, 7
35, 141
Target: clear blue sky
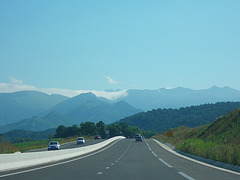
125, 44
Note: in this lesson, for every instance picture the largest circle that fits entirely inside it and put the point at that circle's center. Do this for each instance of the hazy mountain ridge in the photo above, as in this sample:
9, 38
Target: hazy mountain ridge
179, 97
87, 107
81, 108
23, 104
51, 120
35, 110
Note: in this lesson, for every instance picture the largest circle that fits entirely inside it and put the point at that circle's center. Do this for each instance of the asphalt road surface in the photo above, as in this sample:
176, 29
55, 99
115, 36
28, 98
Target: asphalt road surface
124, 160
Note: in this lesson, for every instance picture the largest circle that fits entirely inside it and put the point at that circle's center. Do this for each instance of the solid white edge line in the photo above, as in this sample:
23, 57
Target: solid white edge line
190, 159
186, 176
60, 163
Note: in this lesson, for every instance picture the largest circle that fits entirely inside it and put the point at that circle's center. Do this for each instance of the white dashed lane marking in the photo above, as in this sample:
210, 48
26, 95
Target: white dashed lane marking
165, 163
118, 159
154, 154
168, 165
186, 176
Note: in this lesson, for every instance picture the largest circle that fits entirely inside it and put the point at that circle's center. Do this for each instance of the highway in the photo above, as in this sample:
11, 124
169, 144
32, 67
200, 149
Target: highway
125, 159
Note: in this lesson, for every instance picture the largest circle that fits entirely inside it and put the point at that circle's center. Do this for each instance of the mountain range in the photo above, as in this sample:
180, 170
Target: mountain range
19, 105
32, 110
178, 97
81, 108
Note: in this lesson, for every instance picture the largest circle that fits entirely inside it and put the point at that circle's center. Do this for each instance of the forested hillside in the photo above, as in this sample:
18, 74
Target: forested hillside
193, 116
91, 129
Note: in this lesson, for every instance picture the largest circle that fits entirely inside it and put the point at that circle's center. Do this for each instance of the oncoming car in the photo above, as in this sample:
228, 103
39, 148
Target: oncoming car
80, 140
53, 145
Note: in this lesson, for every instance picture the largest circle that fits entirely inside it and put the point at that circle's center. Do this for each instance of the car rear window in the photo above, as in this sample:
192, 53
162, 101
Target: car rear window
53, 143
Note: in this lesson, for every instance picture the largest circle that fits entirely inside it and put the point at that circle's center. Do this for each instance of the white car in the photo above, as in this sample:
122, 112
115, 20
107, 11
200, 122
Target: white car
80, 140
53, 145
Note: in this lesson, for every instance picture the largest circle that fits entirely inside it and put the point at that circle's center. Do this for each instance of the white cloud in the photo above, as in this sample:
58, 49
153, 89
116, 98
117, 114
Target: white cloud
111, 81
18, 85
15, 85
15, 81
110, 95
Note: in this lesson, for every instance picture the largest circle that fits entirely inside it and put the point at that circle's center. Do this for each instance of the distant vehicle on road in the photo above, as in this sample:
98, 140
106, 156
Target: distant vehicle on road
137, 135
97, 137
139, 139
53, 145
80, 140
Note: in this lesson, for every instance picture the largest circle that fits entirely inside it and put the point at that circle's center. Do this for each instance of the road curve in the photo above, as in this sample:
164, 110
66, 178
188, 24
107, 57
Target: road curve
125, 159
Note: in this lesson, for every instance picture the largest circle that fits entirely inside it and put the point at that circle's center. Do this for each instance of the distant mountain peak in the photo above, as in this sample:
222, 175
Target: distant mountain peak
88, 95
215, 87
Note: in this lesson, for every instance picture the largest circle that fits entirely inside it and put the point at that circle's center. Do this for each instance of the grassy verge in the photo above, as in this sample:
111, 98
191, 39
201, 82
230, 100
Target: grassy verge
228, 153
6, 147
191, 141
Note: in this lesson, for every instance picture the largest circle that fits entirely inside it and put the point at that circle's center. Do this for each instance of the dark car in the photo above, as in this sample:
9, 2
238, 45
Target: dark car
139, 139
96, 137
53, 145
137, 135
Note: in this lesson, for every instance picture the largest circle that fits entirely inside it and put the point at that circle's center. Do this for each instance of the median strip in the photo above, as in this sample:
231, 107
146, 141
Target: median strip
24, 160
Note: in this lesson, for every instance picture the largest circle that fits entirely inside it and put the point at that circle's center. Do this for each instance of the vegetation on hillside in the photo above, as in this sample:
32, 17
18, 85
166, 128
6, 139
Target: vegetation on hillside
21, 135
27, 144
162, 119
105, 131
65, 134
218, 141
6, 147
